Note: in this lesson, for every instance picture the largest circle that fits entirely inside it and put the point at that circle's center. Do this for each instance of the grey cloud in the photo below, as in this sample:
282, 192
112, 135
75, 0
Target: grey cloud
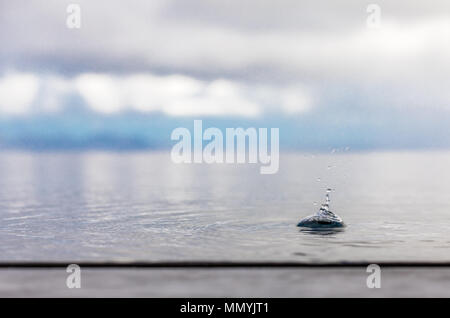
285, 40
324, 45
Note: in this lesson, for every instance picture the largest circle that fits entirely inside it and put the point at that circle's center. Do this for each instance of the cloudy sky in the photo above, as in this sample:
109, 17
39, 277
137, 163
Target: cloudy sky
137, 69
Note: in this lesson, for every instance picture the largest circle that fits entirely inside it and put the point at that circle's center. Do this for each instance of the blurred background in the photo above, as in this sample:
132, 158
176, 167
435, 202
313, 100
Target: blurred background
136, 70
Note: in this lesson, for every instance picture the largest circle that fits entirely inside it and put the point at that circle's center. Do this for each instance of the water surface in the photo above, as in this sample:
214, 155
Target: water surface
93, 206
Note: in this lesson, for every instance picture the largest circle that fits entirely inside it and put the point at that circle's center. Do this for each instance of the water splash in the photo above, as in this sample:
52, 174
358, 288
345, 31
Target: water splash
326, 206
324, 218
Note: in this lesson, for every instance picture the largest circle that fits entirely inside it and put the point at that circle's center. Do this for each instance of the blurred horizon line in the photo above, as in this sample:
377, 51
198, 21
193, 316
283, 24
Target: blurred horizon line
134, 132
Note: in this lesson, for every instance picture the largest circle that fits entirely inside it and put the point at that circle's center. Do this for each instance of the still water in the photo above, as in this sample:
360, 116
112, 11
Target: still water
93, 206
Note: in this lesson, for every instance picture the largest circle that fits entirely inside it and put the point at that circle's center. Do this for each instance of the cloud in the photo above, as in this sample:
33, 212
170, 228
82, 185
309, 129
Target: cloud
17, 92
219, 97
174, 95
289, 40
126, 55
101, 92
53, 91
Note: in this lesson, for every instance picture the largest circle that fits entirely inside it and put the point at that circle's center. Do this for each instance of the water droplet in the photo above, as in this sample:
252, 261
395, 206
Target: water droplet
324, 217
318, 179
